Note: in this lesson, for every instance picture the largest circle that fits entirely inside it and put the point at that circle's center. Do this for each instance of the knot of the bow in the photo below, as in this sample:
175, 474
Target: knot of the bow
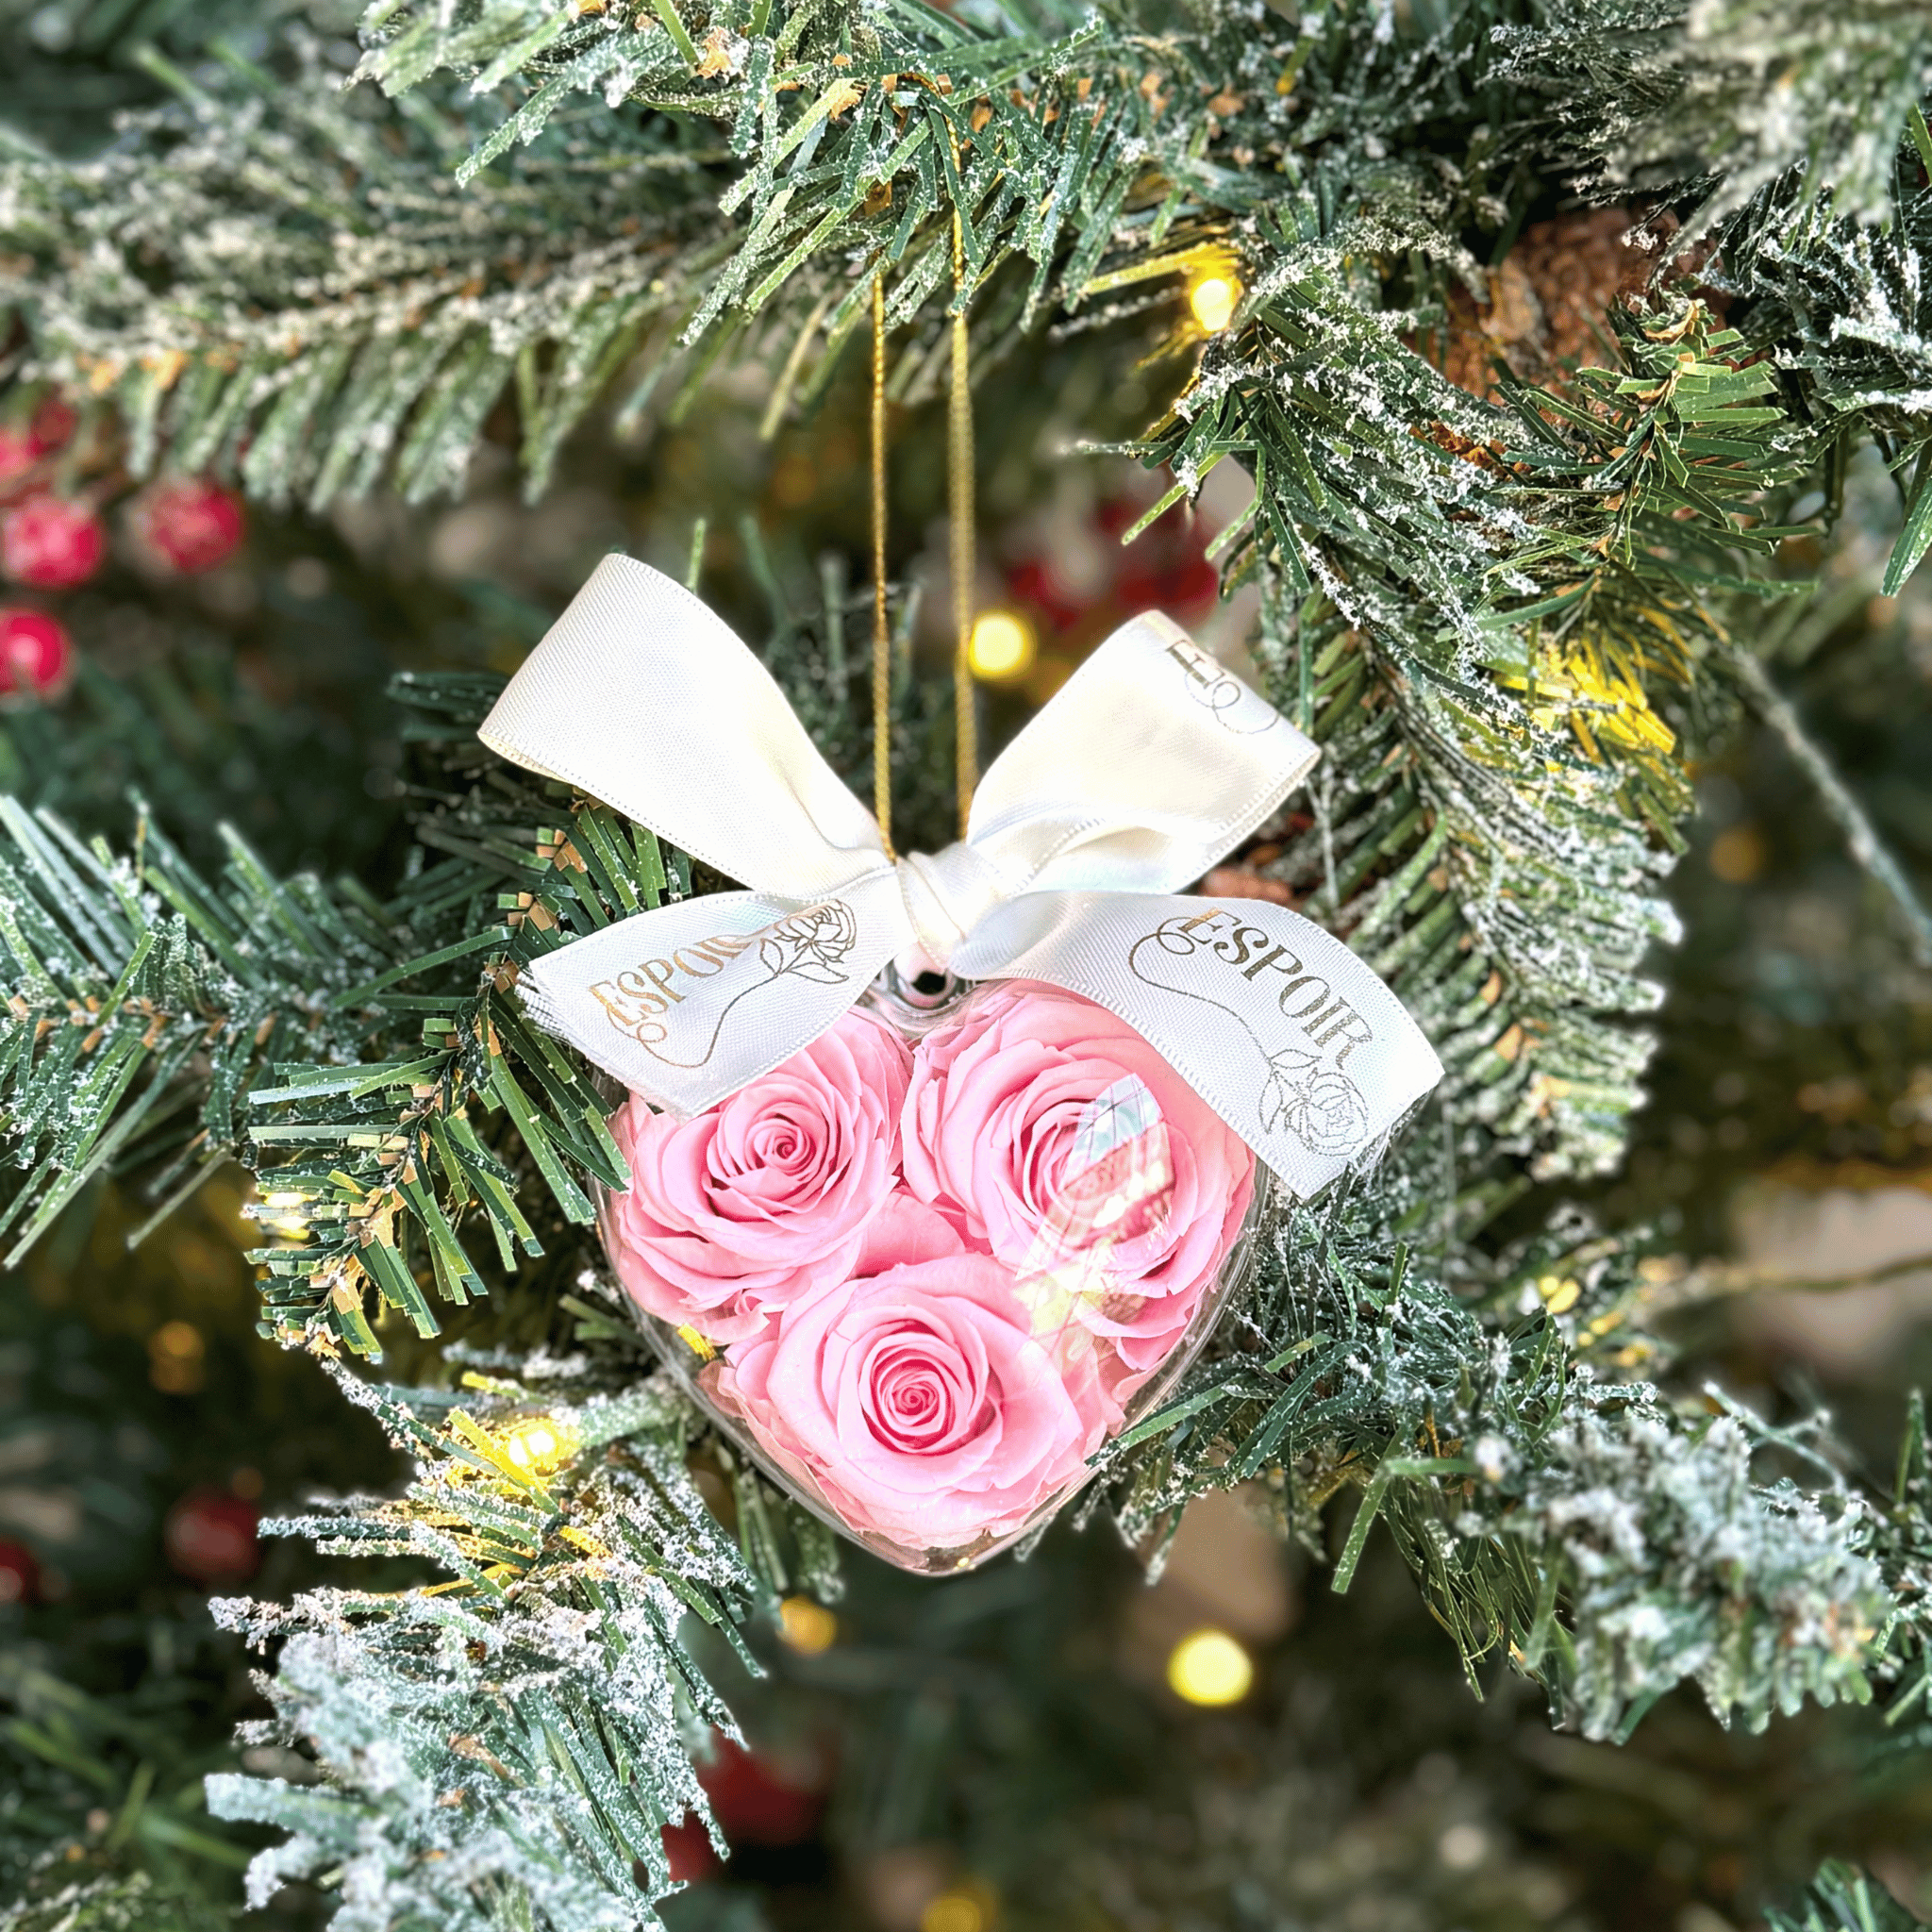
946, 893
1143, 771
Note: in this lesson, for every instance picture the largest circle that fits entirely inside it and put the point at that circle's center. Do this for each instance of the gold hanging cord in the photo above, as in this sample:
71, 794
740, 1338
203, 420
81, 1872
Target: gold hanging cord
960, 511
881, 631
960, 497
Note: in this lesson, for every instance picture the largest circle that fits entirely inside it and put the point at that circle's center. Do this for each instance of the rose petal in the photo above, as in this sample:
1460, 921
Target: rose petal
919, 1403
996, 1101
733, 1214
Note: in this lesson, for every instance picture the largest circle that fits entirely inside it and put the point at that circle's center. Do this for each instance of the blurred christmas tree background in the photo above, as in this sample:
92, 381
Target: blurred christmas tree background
1010, 1750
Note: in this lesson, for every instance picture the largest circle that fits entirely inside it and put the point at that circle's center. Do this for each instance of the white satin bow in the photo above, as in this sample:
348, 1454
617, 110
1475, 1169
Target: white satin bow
1147, 766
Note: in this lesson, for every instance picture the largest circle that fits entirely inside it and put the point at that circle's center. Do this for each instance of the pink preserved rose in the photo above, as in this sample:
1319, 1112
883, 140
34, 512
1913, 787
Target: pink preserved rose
927, 1283
732, 1215
1000, 1101
917, 1400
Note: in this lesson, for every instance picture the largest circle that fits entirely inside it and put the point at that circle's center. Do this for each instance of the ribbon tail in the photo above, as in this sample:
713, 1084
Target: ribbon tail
688, 1003
641, 697
1292, 1040
1145, 768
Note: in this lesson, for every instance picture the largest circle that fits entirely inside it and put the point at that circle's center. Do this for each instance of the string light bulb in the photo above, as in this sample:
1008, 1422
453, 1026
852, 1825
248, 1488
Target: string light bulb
536, 1445
1000, 647
1215, 299
283, 1212
1209, 1666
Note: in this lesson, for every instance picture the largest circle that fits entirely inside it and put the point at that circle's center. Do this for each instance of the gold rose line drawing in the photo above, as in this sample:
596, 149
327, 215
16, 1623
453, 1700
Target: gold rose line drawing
1319, 1105
813, 944
1226, 699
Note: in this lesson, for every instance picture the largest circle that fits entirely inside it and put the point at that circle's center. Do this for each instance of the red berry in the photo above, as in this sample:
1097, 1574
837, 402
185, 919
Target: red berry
51, 542
52, 425
37, 656
1035, 581
761, 1798
25, 442
688, 1849
209, 1536
188, 523
20, 1573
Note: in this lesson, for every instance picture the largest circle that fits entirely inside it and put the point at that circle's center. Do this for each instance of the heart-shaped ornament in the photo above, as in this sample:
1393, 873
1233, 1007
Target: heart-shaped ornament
925, 1259
925, 1269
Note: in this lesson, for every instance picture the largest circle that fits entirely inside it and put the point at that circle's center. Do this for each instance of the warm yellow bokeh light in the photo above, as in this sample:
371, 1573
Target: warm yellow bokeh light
177, 1358
1560, 1293
179, 1342
1001, 645
1209, 1666
807, 1626
534, 1446
283, 1212
952, 1911
1213, 299
1738, 853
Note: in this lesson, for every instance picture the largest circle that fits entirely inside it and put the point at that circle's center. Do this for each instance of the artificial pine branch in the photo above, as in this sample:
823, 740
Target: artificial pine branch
524, 1729
1842, 1899
1656, 94
133, 1903
272, 277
